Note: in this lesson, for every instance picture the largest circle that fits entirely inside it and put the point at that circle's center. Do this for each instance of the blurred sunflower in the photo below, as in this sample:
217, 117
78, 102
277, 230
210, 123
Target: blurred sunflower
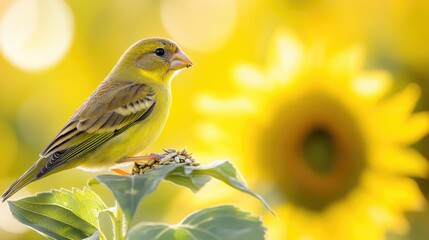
322, 132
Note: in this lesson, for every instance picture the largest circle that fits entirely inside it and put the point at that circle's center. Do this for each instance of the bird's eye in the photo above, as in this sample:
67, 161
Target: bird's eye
160, 52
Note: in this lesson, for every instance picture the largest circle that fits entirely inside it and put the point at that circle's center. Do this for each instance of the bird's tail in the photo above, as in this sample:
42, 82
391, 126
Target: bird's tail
24, 180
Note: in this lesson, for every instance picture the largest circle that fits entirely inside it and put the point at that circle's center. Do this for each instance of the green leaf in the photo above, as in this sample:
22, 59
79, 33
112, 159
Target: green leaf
217, 223
223, 171
130, 190
182, 176
60, 214
95, 236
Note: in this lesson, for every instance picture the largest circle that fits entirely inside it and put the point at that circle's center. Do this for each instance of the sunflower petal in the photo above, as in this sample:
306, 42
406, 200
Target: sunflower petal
401, 161
416, 127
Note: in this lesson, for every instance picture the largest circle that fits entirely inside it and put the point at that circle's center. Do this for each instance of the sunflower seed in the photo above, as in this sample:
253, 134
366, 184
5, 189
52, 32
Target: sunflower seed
151, 162
136, 168
168, 156
169, 150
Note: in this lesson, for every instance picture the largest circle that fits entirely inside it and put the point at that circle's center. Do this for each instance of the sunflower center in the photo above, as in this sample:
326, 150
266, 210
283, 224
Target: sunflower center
314, 149
318, 150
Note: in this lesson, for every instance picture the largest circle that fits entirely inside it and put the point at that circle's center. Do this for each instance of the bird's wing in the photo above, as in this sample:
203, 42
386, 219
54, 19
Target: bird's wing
105, 114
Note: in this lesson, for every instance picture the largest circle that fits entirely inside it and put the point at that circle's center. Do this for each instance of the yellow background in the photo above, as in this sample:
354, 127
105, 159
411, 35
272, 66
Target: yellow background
37, 98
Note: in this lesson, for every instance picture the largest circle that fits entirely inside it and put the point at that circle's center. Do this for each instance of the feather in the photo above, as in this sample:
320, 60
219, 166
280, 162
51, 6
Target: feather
108, 117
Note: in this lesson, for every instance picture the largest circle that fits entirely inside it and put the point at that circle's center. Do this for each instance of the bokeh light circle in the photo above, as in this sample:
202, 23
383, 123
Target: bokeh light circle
35, 34
202, 25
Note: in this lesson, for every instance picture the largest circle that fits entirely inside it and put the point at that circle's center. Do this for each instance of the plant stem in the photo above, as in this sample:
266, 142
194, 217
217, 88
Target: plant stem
118, 223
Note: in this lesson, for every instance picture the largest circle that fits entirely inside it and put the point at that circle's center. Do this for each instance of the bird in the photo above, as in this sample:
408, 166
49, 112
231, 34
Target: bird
120, 119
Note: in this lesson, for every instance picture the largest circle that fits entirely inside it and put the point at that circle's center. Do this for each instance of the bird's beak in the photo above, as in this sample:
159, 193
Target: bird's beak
179, 60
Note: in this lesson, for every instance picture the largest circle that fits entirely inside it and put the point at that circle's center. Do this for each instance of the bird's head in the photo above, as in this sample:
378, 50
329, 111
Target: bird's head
156, 59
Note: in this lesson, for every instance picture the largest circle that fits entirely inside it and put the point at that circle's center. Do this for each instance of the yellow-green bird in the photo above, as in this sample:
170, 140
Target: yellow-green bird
124, 115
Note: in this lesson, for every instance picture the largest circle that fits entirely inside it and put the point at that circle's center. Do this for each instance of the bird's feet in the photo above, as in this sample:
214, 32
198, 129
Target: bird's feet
120, 172
147, 158
143, 164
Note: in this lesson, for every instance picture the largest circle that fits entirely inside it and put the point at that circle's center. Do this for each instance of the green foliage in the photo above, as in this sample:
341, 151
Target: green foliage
74, 214
217, 223
129, 190
60, 214
94, 236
